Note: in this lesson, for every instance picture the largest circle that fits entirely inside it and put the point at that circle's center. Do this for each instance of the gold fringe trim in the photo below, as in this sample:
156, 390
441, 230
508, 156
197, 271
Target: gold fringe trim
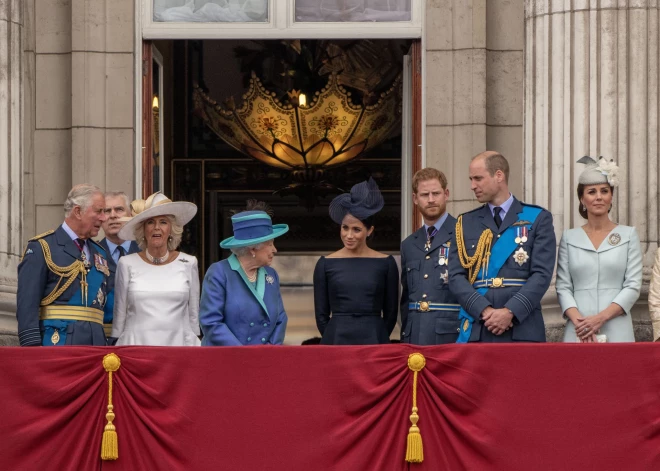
109, 445
415, 449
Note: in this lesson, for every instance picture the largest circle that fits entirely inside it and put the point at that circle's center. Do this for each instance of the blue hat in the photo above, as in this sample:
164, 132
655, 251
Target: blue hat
363, 201
251, 228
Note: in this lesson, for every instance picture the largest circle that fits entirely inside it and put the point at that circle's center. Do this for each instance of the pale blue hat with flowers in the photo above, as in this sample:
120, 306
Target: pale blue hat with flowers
251, 228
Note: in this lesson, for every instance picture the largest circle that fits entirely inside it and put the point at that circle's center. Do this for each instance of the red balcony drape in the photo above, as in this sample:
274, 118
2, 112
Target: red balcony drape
513, 407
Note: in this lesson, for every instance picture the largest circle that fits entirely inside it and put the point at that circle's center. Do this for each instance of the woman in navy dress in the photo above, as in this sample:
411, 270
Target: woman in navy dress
356, 289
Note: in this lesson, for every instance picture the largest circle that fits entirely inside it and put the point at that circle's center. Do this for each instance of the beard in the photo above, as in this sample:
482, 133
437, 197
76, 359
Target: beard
433, 212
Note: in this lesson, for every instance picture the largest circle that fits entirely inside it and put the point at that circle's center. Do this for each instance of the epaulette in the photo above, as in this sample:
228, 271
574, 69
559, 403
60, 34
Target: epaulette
99, 247
532, 205
41, 235
475, 209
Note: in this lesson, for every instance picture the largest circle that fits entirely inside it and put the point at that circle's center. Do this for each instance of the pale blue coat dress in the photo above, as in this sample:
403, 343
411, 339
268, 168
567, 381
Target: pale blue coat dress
590, 279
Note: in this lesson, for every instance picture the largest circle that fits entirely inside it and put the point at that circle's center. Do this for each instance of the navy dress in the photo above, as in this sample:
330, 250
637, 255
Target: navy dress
356, 300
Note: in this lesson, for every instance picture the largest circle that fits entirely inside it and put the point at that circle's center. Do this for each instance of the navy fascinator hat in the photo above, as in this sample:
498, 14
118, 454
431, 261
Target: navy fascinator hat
362, 202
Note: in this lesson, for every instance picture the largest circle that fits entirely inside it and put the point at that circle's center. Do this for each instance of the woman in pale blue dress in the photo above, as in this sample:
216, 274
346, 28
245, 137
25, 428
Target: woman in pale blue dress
599, 268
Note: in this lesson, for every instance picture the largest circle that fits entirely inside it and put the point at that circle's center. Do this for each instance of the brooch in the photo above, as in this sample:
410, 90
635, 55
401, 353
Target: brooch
28, 252
184, 260
614, 239
269, 279
520, 256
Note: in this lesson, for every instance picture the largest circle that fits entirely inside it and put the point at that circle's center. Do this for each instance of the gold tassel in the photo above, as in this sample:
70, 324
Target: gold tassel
109, 446
415, 449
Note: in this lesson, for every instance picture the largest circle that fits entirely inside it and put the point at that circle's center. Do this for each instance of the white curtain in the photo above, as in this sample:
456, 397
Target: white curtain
352, 10
228, 11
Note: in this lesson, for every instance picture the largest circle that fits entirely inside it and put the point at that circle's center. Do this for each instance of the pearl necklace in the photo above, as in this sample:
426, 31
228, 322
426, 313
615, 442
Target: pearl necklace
157, 260
252, 278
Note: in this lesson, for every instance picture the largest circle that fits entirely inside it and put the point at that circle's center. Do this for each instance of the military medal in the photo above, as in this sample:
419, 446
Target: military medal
55, 337
100, 297
614, 239
429, 239
443, 255
101, 264
520, 256
521, 234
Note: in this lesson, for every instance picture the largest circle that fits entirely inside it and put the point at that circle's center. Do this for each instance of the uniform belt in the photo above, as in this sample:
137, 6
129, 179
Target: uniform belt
425, 306
71, 313
107, 328
499, 283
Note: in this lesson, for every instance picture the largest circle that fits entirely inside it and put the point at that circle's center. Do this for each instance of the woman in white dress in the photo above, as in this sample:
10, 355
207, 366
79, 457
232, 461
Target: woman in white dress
157, 290
599, 268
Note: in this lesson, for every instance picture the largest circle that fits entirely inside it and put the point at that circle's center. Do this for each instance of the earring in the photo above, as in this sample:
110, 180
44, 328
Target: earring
584, 208
169, 238
254, 256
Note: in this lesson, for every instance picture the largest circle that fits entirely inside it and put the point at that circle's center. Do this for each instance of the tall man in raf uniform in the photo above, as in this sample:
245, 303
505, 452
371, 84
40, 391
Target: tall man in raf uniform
117, 207
502, 261
429, 311
62, 277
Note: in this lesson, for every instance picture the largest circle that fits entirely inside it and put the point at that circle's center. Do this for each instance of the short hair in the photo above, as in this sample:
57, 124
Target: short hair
176, 233
428, 173
580, 192
80, 195
494, 161
115, 194
243, 251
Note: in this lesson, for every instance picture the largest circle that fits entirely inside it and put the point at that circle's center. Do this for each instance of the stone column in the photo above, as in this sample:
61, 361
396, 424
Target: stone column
11, 147
591, 88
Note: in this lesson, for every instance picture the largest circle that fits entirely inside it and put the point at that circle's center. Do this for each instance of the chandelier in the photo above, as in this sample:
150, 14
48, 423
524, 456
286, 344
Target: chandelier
304, 138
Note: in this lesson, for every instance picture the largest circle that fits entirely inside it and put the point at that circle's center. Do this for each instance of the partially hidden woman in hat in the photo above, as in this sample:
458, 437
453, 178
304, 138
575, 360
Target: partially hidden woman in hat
157, 290
599, 268
356, 289
241, 300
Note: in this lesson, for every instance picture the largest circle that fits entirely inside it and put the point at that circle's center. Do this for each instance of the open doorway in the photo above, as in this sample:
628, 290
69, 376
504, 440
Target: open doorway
199, 161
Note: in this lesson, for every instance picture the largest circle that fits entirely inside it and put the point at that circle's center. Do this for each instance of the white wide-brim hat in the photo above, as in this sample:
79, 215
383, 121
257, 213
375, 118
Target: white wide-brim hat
156, 205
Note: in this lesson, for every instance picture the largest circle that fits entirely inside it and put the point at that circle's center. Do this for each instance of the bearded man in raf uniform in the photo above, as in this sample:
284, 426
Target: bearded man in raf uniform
502, 261
429, 311
62, 277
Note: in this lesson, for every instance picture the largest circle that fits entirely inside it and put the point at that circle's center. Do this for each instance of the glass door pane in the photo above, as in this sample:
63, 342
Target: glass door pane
219, 11
352, 10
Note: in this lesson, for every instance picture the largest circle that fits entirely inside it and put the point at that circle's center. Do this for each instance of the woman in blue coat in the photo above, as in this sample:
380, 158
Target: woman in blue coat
241, 300
599, 269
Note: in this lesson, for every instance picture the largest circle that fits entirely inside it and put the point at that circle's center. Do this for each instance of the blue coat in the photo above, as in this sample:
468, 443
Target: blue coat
431, 327
36, 281
110, 303
232, 312
524, 302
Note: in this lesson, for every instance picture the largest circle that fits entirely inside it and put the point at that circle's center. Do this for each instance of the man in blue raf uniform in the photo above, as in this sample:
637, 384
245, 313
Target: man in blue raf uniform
429, 311
62, 277
116, 207
502, 260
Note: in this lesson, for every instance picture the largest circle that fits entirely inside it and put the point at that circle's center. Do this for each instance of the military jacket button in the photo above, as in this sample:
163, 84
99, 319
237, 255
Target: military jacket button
427, 257
426, 276
423, 296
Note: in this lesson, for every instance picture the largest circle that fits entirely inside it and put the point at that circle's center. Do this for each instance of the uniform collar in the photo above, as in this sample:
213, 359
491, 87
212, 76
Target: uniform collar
505, 206
438, 224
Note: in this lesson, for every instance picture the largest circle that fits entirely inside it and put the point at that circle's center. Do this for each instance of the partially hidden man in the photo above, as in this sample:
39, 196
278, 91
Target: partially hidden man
502, 261
117, 210
429, 311
62, 277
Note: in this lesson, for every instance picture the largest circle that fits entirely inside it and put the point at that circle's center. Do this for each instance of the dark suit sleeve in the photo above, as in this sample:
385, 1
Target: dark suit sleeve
404, 292
32, 279
321, 299
542, 260
459, 285
391, 301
